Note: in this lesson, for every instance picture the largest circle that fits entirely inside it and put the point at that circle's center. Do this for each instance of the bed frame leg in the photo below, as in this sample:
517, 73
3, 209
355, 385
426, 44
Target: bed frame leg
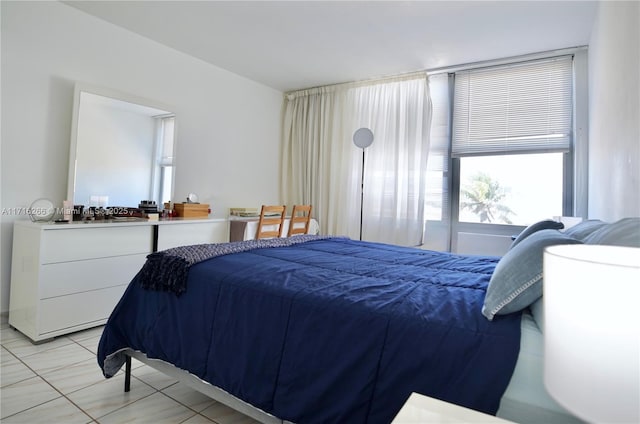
127, 374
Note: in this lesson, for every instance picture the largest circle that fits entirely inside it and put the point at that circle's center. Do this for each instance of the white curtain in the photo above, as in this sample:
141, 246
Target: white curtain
323, 167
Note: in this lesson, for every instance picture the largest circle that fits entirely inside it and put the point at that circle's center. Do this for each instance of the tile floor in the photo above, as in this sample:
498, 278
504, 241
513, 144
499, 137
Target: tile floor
60, 382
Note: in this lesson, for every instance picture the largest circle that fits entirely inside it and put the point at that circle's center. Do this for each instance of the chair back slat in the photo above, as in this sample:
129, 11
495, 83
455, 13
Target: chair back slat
300, 218
270, 216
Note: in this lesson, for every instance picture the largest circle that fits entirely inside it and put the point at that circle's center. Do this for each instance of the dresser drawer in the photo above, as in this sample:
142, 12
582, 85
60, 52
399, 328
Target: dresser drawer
88, 243
63, 312
64, 278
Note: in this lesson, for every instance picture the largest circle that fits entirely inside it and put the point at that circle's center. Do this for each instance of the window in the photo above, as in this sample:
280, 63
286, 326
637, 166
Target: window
165, 162
511, 142
508, 147
511, 189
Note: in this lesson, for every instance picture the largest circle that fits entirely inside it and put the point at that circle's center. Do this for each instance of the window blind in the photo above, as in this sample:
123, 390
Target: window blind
167, 128
517, 108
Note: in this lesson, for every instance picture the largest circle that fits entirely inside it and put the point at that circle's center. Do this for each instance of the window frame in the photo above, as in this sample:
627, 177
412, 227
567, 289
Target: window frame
163, 161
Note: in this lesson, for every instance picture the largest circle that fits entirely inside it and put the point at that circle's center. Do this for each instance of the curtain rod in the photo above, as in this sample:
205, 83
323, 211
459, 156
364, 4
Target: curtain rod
435, 71
330, 87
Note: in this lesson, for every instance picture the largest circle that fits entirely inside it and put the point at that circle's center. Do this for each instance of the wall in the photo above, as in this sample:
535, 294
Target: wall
614, 111
228, 127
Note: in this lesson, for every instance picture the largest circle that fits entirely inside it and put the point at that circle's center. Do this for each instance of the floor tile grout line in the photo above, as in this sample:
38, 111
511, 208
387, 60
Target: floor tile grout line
71, 341
37, 374
41, 403
40, 374
161, 391
181, 403
97, 419
156, 392
43, 378
25, 365
91, 419
198, 414
62, 395
40, 344
93, 384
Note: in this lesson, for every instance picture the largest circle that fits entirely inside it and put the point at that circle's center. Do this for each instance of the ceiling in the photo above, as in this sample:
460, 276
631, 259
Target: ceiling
291, 45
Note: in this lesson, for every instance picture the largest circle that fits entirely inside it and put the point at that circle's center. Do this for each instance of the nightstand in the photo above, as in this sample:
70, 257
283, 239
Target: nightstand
421, 409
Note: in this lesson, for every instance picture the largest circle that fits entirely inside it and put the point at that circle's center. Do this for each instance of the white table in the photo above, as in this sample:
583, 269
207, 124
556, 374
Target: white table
421, 409
246, 228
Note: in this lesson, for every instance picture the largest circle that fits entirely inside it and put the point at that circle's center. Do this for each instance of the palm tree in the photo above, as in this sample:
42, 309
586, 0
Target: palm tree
482, 196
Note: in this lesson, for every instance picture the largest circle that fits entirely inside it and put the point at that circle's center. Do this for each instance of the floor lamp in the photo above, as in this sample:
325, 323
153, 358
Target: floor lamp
362, 138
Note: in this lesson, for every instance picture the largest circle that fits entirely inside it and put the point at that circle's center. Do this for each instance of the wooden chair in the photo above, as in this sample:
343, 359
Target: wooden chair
301, 215
270, 216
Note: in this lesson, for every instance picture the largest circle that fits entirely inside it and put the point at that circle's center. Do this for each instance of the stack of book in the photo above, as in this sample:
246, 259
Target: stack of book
245, 212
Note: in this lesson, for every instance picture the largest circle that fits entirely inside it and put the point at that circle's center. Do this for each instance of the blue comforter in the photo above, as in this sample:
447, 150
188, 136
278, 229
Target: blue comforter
327, 331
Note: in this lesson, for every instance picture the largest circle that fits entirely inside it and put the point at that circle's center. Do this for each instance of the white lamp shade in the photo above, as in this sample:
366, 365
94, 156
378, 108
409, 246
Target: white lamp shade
592, 331
363, 137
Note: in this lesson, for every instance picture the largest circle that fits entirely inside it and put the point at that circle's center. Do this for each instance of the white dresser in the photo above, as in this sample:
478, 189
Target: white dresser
68, 277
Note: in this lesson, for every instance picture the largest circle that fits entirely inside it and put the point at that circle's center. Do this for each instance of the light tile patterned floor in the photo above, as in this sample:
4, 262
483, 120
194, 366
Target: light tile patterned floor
60, 382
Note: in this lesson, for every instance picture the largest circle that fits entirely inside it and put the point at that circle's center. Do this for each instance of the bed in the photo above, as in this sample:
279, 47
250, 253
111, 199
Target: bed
327, 329
323, 329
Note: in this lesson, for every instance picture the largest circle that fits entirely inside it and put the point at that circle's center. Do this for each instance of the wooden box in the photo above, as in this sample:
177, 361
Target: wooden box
191, 210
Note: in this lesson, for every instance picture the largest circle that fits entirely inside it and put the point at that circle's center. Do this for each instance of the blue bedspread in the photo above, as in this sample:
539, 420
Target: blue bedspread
327, 331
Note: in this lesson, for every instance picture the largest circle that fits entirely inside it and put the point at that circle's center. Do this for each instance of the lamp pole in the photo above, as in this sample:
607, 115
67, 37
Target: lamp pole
362, 138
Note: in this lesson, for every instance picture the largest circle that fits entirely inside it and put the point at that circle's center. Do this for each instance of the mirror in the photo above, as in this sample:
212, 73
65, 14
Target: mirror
122, 149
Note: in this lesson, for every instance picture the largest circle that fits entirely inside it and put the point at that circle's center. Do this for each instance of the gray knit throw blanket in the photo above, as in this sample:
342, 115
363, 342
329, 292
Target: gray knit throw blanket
168, 270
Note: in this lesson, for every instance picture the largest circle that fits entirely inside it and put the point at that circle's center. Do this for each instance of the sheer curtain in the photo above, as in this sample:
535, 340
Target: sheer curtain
322, 166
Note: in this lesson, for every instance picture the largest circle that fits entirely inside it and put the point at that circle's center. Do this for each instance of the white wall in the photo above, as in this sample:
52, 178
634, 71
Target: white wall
614, 112
228, 127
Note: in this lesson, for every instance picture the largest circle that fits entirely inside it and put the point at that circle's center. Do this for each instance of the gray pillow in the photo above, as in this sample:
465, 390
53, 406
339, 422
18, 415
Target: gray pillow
547, 224
582, 230
517, 280
625, 232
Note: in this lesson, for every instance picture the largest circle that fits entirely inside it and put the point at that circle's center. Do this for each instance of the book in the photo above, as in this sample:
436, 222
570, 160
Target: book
153, 216
245, 212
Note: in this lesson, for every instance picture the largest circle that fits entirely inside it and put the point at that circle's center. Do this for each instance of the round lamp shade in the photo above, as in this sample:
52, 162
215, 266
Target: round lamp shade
363, 137
592, 331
